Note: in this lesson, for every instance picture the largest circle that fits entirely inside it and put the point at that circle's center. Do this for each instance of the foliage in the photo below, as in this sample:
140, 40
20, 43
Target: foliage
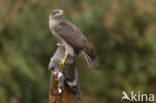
122, 32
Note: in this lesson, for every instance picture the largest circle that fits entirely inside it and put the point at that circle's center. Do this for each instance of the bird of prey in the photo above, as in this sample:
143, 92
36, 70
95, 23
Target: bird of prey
72, 38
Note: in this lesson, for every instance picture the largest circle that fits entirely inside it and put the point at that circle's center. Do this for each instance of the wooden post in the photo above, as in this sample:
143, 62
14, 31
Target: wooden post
65, 97
69, 73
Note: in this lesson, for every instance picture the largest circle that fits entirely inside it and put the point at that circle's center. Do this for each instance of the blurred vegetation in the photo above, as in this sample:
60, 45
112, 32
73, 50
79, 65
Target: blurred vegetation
122, 32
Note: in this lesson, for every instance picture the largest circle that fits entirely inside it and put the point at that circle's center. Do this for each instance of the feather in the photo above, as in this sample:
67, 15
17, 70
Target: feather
93, 64
74, 39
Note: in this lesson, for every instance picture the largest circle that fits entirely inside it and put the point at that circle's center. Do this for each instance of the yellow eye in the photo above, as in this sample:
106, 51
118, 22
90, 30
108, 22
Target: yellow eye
57, 12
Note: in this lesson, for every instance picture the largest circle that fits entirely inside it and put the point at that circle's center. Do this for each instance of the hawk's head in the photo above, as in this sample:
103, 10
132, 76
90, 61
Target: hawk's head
56, 14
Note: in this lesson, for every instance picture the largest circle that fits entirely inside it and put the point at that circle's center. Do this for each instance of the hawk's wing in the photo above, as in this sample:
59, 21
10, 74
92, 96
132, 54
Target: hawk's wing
71, 35
77, 40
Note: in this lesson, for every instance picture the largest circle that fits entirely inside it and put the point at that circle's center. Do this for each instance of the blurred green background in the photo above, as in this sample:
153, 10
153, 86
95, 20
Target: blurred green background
122, 32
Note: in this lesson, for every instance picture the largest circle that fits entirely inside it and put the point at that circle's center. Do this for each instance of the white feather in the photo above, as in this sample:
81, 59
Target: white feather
53, 22
59, 90
73, 83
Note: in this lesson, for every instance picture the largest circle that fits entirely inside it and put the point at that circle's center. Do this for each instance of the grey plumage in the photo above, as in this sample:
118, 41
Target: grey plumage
72, 38
68, 74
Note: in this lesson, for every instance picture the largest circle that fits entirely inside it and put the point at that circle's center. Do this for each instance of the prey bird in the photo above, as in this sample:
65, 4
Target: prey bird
67, 76
72, 38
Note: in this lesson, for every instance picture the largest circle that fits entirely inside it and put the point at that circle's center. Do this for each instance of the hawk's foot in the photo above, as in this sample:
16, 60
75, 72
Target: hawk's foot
63, 62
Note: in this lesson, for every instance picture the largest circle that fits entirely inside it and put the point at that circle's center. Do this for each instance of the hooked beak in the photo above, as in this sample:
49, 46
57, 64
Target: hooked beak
61, 12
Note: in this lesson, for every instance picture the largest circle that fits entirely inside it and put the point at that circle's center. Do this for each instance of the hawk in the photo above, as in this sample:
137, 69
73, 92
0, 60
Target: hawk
72, 38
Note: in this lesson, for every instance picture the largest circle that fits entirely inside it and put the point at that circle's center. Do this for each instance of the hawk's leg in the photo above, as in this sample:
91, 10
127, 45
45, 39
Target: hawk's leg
63, 61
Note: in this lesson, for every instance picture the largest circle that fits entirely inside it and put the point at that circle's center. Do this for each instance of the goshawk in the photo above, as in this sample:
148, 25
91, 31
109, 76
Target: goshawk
72, 38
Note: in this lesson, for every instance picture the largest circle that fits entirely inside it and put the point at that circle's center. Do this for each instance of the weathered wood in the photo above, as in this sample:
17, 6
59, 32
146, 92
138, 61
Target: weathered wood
65, 97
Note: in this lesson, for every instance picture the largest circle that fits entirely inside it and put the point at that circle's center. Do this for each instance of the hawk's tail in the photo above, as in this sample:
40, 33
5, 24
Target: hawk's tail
92, 62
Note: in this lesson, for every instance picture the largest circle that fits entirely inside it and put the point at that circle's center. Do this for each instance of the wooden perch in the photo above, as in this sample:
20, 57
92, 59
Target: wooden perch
54, 97
70, 81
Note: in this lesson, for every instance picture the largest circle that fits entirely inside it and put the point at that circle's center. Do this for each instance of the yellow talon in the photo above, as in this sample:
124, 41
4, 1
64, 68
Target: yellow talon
62, 62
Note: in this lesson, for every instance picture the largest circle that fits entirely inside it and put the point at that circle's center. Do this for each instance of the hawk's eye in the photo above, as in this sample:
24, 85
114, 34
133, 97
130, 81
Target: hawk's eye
55, 12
